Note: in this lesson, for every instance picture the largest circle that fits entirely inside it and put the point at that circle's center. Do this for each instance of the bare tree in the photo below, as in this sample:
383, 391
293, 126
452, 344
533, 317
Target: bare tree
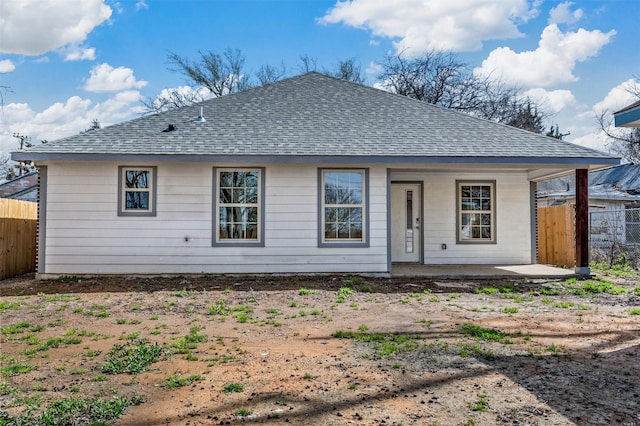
442, 79
308, 64
624, 141
170, 99
268, 74
222, 73
348, 69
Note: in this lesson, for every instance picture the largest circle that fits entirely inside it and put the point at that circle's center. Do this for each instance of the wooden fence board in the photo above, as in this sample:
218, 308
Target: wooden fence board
18, 228
556, 235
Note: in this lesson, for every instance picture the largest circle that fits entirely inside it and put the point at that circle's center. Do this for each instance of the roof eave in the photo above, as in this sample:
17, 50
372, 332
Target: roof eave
281, 158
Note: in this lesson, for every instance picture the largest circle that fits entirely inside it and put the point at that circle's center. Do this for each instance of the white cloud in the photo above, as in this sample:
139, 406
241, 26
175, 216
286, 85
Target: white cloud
141, 4
618, 97
75, 52
6, 66
105, 78
562, 14
33, 27
421, 25
64, 119
374, 68
551, 63
552, 101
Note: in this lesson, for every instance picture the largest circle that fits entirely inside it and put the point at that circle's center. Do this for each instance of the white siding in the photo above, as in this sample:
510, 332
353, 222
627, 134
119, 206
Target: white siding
85, 235
513, 218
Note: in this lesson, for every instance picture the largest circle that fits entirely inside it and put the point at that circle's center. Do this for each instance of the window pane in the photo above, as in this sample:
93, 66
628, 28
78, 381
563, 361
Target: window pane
137, 200
137, 179
486, 232
343, 188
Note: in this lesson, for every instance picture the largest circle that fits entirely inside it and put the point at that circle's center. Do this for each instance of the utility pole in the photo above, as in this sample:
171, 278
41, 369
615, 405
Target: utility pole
24, 143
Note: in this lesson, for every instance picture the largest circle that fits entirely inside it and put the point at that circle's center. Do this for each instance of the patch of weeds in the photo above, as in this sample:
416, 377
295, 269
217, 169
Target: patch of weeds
219, 308
293, 304
7, 389
636, 290
343, 293
315, 312
302, 313
619, 269
453, 296
77, 410
79, 371
385, 344
190, 341
584, 307
17, 328
308, 376
132, 357
487, 290
243, 412
305, 291
481, 404
90, 353
546, 300
5, 306
597, 286
471, 349
153, 317
242, 318
434, 299
362, 328
553, 348
481, 333
564, 305
99, 378
232, 387
15, 369
62, 298
175, 381
515, 297
426, 322
635, 311
510, 310
416, 296
273, 312
549, 291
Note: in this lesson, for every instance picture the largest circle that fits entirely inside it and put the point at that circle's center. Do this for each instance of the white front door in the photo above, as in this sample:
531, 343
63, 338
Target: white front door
406, 223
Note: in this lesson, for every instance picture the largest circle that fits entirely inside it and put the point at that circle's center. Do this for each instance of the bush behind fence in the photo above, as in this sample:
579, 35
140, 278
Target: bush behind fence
615, 236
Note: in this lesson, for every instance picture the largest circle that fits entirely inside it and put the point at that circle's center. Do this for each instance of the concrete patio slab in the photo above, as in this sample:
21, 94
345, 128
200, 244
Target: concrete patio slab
480, 271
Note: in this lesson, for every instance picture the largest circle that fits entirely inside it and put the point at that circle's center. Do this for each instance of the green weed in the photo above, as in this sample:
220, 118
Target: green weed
175, 381
132, 357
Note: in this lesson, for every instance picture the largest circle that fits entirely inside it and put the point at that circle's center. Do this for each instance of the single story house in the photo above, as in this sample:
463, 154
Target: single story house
310, 174
23, 187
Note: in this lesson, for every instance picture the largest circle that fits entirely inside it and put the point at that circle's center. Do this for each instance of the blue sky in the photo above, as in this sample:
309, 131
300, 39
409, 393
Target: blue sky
68, 62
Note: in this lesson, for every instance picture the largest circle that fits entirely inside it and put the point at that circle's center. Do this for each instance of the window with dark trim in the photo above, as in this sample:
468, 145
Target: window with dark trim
476, 211
137, 190
238, 206
343, 207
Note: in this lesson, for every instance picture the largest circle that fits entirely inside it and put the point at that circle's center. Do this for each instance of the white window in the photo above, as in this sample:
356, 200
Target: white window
136, 191
239, 206
476, 212
343, 207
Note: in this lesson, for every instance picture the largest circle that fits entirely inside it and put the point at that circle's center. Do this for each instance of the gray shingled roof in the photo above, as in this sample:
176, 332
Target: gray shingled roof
316, 115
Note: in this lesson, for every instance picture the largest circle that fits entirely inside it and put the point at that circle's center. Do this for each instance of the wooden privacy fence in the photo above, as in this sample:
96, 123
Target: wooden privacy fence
18, 228
556, 235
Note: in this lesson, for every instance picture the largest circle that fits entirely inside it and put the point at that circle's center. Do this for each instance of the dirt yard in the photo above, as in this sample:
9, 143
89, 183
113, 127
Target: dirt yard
321, 351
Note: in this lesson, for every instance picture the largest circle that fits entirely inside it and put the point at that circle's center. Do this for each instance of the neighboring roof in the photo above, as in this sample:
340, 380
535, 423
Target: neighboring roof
19, 186
313, 117
614, 183
628, 116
